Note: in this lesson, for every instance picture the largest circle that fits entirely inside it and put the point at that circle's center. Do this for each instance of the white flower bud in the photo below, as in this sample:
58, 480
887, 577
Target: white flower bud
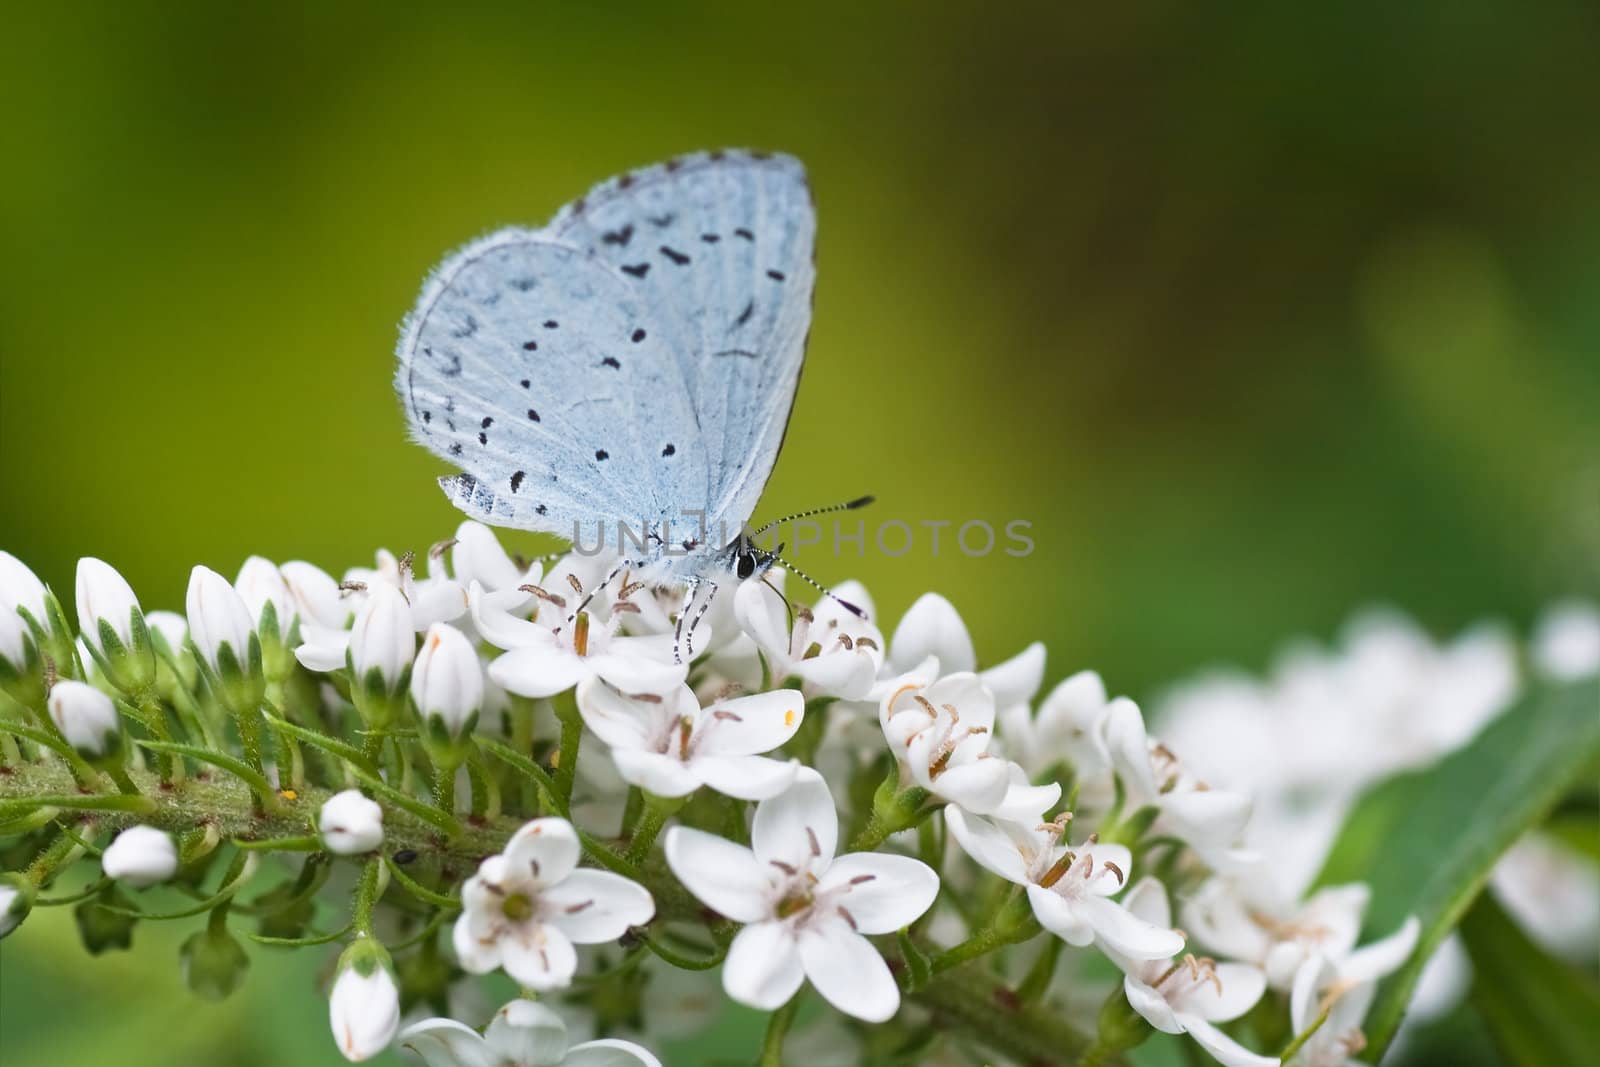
20, 588
141, 856
105, 596
217, 617
171, 626
447, 680
364, 1008
261, 583
382, 638
86, 718
351, 824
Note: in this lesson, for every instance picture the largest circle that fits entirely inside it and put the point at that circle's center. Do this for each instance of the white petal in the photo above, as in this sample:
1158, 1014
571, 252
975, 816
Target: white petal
626, 666
1129, 746
545, 849
437, 602
724, 876
323, 650
989, 846
1023, 801
886, 891
1017, 679
1314, 974
447, 1043
932, 627
492, 616
1381, 958
540, 957
979, 786
592, 906
1204, 817
966, 692
750, 725
476, 955
610, 1052
746, 777
478, 556
1224, 1049
619, 720
536, 670
1126, 934
1059, 915
847, 970
799, 826
763, 968
1148, 1002
665, 776
1147, 900
1241, 985
764, 615
526, 1033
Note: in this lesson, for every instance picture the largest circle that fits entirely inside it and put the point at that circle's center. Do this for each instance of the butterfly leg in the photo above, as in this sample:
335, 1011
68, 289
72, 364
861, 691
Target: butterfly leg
705, 606
693, 587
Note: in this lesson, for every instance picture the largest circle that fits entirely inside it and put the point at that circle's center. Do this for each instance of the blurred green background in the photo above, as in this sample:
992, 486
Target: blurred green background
1257, 313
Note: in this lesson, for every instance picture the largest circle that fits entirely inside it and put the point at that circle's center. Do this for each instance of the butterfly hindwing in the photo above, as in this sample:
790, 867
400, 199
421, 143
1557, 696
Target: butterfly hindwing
542, 375
720, 246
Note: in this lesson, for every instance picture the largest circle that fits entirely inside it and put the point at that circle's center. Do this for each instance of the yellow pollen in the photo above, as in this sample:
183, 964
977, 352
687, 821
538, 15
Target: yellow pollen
288, 794
788, 718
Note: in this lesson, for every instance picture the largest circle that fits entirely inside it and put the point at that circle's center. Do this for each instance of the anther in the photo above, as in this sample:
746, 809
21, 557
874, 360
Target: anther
558, 601
439, 548
645, 698
866, 642
1114, 869
851, 919
721, 713
577, 586
816, 847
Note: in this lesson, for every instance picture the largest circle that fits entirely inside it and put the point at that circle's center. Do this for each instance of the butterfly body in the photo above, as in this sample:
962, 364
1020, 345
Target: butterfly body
629, 368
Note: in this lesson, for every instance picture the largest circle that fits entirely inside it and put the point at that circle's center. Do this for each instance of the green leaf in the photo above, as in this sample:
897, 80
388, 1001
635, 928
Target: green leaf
1539, 1009
1426, 842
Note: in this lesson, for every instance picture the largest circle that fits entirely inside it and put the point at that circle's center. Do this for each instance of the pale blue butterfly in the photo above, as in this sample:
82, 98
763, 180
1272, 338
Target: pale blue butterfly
630, 367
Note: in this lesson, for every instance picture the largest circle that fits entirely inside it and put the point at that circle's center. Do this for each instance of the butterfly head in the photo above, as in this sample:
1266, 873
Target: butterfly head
746, 559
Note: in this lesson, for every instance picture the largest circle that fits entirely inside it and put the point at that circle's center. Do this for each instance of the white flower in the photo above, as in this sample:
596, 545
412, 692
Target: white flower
477, 556
141, 856
1566, 644
1189, 995
670, 746
543, 662
105, 596
218, 618
434, 599
522, 1034
933, 627
940, 735
1553, 891
350, 823
526, 907
829, 649
447, 679
172, 627
261, 583
1346, 988
21, 588
1069, 890
86, 717
382, 639
364, 1007
807, 911
1209, 819
1226, 918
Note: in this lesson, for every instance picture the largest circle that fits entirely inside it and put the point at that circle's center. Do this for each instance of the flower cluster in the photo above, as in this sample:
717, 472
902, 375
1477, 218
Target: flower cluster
522, 775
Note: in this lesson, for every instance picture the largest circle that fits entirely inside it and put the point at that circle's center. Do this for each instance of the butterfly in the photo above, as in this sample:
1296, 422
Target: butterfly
629, 367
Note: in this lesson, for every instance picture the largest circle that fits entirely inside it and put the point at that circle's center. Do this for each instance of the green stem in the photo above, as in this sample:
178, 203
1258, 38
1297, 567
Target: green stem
1014, 922
657, 810
60, 852
522, 714
566, 705
367, 894
485, 790
777, 1027
125, 784
155, 717
444, 789
1305, 1035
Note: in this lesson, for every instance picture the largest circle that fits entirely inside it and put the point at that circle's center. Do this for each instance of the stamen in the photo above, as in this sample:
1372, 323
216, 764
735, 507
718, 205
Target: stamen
812, 651
786, 868
645, 698
895, 699
1114, 869
851, 919
573, 909
439, 548
844, 639
352, 587
722, 713
558, 601
624, 607
685, 729
862, 878
407, 559
816, 847
1059, 868
866, 642
577, 586
580, 634
629, 589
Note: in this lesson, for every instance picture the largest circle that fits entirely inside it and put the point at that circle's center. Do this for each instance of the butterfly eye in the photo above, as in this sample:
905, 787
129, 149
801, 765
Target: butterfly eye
746, 566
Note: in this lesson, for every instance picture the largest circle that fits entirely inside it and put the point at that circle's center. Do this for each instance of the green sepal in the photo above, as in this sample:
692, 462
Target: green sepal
104, 921
213, 962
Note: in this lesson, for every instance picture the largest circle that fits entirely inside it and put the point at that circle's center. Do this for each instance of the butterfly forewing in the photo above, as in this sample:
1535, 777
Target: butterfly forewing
542, 374
719, 248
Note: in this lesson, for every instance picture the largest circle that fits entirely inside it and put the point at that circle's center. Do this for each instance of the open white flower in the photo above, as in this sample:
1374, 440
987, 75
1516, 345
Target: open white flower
478, 556
1189, 995
1212, 820
1068, 889
828, 648
543, 662
1068, 728
316, 595
807, 911
141, 856
940, 735
933, 627
1346, 995
433, 598
521, 1034
527, 907
1227, 918
670, 746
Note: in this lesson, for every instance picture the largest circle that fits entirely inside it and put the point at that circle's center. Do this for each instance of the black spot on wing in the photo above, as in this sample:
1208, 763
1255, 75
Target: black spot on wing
610, 361
483, 438
516, 480
638, 270
746, 234
455, 448
526, 384
533, 416
775, 275
638, 335
619, 237
670, 450
487, 422
661, 222
522, 285
530, 346
710, 238
673, 254
744, 316
551, 324
602, 454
